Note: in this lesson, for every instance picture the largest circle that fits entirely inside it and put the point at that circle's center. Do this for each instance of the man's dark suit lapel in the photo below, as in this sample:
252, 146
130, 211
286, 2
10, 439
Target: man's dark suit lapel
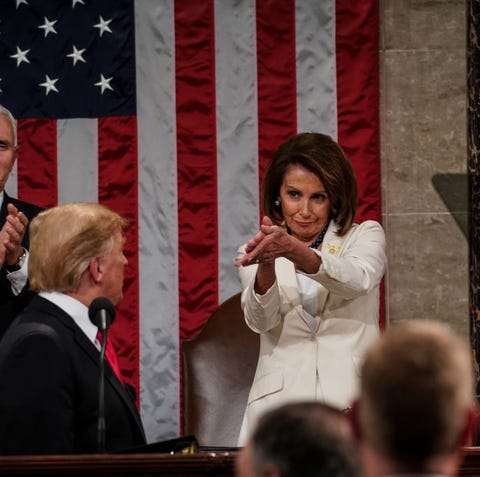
3, 209
93, 354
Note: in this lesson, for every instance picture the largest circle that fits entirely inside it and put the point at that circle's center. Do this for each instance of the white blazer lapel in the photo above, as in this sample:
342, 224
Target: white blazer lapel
332, 242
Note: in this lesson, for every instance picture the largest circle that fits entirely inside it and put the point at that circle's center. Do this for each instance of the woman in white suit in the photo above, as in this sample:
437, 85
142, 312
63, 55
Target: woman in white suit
310, 279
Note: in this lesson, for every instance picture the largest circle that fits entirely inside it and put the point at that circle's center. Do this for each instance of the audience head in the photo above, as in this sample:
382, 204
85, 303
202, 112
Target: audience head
416, 406
8, 144
321, 155
78, 248
302, 439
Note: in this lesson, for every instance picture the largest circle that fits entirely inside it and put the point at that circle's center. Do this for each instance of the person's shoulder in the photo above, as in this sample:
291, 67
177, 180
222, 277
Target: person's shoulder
26, 207
370, 224
367, 227
39, 309
36, 321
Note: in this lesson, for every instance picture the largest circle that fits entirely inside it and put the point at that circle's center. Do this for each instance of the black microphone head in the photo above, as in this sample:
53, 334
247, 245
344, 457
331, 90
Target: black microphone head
97, 305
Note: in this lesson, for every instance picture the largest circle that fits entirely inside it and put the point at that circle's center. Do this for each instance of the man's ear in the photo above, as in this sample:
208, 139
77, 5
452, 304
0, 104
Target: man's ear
95, 269
354, 416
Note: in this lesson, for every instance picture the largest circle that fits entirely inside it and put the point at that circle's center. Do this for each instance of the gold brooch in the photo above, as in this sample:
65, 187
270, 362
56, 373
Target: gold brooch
332, 248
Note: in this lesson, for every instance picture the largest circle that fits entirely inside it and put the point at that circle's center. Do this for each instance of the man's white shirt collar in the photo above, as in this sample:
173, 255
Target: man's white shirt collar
78, 311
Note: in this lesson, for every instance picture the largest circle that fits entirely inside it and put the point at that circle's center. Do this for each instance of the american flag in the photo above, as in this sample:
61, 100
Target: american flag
168, 112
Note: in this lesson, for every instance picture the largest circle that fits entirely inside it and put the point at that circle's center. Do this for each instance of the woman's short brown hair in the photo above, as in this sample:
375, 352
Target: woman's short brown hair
322, 156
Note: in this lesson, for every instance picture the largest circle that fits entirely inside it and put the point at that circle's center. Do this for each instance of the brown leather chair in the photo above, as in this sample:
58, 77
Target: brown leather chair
218, 369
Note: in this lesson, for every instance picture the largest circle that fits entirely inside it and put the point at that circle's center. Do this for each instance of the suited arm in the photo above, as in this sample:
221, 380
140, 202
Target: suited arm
36, 389
262, 312
359, 266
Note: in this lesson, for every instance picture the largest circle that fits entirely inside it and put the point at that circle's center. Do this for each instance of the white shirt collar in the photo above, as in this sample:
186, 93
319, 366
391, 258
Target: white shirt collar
78, 311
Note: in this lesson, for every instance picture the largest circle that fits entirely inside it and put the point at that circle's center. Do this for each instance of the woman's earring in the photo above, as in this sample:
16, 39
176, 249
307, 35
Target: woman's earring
277, 203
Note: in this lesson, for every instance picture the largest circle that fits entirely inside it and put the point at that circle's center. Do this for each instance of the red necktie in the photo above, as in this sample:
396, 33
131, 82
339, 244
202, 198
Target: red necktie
111, 356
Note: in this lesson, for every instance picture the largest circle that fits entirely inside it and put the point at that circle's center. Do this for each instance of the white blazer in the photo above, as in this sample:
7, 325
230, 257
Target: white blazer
296, 361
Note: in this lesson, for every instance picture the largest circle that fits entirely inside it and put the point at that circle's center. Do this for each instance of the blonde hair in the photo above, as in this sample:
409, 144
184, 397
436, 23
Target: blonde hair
416, 390
64, 239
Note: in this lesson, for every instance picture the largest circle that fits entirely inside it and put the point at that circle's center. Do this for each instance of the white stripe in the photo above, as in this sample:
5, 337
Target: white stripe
237, 131
77, 160
316, 70
158, 260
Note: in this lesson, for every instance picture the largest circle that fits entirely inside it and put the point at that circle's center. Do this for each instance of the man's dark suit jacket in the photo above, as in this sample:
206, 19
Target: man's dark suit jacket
49, 389
11, 305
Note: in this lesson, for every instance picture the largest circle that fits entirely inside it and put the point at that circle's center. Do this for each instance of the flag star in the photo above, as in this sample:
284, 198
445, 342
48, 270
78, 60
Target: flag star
49, 84
104, 83
76, 55
74, 2
48, 26
19, 2
103, 26
20, 56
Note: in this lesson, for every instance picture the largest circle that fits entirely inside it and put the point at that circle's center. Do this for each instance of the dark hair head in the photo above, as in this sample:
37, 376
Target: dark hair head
304, 439
321, 155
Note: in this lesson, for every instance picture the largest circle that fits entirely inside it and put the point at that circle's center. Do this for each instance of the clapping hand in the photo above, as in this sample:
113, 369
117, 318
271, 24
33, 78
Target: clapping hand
12, 234
269, 243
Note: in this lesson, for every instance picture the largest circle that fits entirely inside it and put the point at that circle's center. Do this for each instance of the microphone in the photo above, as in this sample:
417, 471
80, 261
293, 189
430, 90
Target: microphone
101, 313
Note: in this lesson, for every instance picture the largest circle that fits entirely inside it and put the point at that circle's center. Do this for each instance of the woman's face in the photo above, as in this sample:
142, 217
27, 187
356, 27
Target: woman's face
305, 203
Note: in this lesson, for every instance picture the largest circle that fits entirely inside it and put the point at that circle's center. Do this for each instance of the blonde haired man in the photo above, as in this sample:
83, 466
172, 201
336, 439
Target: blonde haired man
49, 356
416, 407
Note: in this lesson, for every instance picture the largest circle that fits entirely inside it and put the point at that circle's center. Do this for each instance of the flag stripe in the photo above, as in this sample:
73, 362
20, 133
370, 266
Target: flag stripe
357, 98
159, 322
358, 105
237, 144
117, 189
196, 163
276, 77
37, 162
315, 55
77, 160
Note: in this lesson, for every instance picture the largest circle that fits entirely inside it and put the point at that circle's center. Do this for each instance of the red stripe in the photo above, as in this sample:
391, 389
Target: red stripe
358, 103
276, 70
117, 189
37, 161
196, 164
358, 98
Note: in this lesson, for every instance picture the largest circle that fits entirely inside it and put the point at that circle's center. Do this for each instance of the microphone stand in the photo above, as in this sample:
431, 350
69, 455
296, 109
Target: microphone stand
101, 313
101, 427
101, 398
